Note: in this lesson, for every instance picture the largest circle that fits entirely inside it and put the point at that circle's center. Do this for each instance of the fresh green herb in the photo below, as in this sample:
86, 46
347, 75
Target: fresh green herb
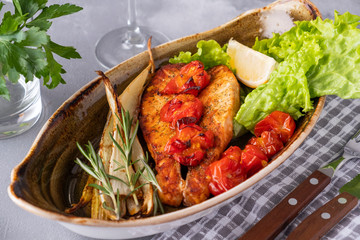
150, 177
210, 53
97, 171
318, 57
127, 141
157, 203
26, 48
125, 148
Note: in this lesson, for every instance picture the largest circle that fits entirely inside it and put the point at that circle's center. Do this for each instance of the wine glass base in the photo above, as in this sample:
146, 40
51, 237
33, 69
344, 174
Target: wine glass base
114, 47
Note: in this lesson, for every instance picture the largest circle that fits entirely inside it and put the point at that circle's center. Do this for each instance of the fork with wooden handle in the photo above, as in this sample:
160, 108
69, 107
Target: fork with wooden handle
280, 216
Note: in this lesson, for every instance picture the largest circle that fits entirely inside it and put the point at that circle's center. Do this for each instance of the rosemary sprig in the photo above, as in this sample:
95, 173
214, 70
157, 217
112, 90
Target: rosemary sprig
152, 179
127, 140
97, 170
151, 175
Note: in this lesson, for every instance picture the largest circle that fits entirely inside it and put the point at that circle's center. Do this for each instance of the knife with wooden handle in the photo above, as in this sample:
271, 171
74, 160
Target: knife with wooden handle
280, 216
326, 217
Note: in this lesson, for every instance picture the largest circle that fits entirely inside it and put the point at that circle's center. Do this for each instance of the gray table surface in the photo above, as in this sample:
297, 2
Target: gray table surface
81, 30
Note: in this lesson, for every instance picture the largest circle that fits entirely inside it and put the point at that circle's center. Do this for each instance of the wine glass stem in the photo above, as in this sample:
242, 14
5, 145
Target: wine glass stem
134, 37
131, 22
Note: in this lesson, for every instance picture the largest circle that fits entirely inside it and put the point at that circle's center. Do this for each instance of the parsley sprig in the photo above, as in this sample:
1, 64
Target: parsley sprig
26, 48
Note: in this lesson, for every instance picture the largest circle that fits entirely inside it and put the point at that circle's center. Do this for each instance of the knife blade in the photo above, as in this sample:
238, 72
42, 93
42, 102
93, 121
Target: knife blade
326, 217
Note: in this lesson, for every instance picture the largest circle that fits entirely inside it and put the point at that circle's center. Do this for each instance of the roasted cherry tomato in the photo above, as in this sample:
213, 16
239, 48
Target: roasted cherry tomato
176, 146
190, 157
183, 109
224, 174
233, 152
189, 144
279, 122
187, 132
199, 137
253, 159
204, 139
269, 143
191, 80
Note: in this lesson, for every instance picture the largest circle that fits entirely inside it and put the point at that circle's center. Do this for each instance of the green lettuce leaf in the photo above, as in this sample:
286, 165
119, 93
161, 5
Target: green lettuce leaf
287, 90
338, 72
210, 53
319, 57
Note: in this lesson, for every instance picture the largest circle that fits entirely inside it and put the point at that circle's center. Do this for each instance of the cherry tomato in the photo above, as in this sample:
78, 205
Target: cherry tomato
183, 109
269, 143
189, 144
224, 174
253, 159
204, 139
233, 152
190, 157
175, 146
198, 136
191, 80
182, 138
279, 122
187, 132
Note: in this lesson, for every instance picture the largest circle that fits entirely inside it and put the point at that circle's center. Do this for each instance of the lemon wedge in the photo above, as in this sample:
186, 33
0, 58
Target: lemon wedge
252, 67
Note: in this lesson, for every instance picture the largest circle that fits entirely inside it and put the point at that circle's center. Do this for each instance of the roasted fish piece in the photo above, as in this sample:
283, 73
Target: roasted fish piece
157, 133
221, 101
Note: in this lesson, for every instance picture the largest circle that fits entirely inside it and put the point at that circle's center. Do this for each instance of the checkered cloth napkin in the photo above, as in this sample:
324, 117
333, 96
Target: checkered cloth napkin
339, 120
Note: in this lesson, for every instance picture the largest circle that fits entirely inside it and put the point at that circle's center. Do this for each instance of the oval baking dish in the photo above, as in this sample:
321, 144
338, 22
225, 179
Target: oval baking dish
40, 183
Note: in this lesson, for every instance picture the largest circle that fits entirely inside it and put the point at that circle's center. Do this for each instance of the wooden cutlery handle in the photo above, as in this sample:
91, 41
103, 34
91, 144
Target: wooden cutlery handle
280, 216
322, 220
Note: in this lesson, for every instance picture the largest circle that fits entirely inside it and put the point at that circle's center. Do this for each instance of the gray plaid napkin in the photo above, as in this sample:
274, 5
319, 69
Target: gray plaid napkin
338, 122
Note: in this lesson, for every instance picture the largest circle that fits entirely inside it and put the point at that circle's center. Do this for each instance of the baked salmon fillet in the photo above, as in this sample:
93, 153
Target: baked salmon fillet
157, 133
221, 102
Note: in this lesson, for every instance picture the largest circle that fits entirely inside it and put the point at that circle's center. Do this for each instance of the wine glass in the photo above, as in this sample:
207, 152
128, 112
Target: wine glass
125, 42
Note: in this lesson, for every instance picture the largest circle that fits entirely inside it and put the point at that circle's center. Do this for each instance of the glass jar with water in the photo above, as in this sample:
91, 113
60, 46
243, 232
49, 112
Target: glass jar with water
23, 110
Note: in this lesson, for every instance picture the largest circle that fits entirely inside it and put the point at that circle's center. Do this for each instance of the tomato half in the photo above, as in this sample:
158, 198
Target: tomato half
269, 143
253, 159
224, 174
279, 122
183, 109
191, 80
